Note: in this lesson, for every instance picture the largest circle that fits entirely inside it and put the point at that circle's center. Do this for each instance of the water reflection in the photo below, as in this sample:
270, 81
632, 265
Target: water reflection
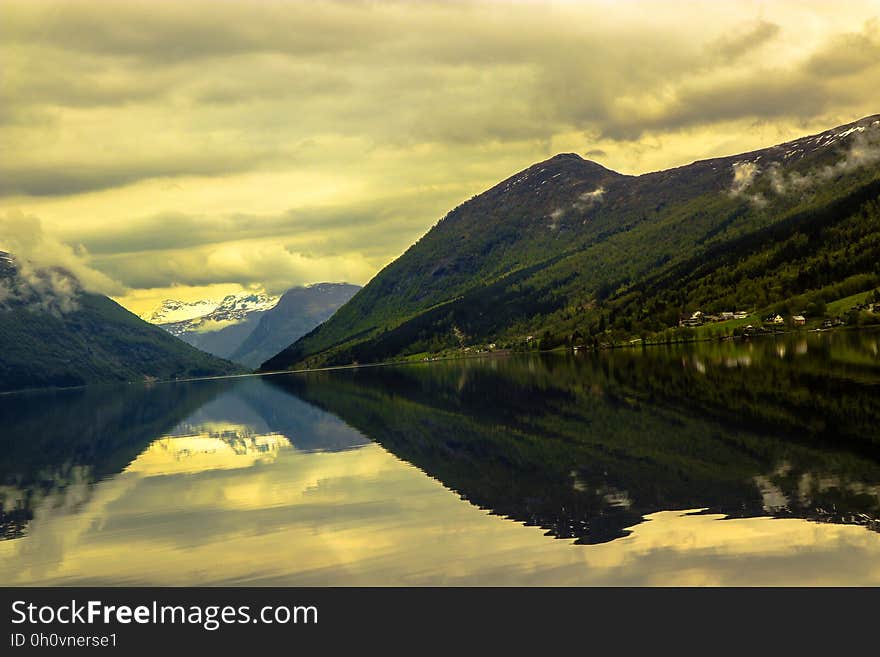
759, 465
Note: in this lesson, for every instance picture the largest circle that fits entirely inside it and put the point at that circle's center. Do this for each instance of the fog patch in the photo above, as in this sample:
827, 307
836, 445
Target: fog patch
40, 290
744, 174
592, 197
587, 200
44, 274
862, 152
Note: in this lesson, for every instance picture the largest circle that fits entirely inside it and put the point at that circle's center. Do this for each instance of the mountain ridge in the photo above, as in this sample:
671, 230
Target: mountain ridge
576, 239
232, 308
297, 312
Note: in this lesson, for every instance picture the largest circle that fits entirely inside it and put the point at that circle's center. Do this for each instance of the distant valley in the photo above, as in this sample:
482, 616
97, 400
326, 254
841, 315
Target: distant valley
248, 328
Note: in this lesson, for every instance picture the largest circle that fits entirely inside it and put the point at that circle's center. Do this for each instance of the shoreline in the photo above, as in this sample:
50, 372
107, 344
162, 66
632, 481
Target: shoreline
490, 354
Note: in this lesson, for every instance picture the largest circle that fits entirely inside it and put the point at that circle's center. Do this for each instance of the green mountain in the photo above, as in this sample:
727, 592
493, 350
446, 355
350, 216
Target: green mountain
569, 251
299, 310
54, 334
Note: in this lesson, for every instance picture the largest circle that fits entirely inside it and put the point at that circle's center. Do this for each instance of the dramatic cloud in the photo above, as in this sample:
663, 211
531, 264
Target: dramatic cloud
742, 42
187, 144
49, 274
271, 266
23, 237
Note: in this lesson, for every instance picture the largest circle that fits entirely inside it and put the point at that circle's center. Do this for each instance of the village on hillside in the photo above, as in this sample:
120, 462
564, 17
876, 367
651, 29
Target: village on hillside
860, 313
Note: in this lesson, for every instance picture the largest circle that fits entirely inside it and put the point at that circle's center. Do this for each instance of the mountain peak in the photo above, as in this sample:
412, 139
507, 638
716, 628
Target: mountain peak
573, 161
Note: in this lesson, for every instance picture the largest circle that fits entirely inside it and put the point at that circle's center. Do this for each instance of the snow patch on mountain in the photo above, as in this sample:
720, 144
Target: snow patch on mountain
857, 145
172, 310
181, 317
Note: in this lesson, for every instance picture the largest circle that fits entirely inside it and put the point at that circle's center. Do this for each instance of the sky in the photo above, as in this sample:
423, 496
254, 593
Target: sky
192, 149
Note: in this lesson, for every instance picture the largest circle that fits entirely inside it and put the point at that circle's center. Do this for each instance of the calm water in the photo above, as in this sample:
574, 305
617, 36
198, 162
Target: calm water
734, 463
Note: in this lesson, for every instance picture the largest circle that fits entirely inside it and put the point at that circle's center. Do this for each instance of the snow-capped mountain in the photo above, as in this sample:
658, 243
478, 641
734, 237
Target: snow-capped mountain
179, 311
248, 328
180, 317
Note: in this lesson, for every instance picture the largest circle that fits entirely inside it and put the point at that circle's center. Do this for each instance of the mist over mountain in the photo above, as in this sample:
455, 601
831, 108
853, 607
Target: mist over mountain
53, 333
568, 250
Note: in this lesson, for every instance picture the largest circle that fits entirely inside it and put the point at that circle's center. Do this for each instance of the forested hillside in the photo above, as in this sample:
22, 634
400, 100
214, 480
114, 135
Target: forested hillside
53, 334
570, 252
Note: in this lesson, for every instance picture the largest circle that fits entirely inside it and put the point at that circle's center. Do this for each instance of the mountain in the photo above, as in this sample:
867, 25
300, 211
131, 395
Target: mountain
54, 334
217, 327
569, 251
298, 311
249, 328
183, 319
233, 309
172, 311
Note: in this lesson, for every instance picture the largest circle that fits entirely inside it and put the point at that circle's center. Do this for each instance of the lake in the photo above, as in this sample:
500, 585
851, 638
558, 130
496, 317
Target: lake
734, 463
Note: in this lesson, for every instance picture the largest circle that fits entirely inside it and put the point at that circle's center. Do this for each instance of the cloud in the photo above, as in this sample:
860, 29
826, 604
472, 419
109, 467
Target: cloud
342, 131
65, 178
163, 32
849, 53
660, 86
37, 290
863, 149
49, 274
744, 174
369, 231
740, 42
269, 265
264, 74
23, 236
176, 230
587, 200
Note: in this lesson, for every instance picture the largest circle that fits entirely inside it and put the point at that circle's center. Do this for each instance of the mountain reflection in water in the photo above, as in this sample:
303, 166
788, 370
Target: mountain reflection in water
733, 463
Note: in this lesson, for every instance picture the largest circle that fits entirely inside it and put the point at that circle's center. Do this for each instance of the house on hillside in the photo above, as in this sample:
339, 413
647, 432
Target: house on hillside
740, 314
799, 320
693, 321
